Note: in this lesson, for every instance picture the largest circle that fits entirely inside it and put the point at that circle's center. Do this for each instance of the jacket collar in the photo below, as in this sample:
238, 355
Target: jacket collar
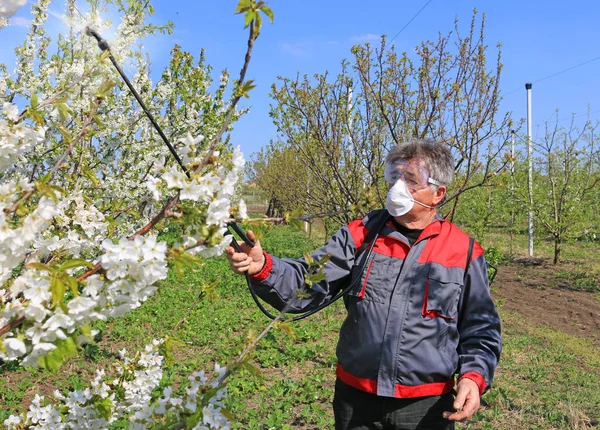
433, 229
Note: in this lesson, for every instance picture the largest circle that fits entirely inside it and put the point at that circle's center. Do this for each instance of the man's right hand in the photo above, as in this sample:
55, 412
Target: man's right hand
250, 261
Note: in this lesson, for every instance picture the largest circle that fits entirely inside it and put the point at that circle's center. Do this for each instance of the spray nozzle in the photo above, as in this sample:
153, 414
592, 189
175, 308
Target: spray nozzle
102, 44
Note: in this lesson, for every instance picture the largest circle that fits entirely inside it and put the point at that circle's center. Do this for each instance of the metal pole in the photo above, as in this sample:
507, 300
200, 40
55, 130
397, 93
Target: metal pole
512, 187
530, 165
512, 154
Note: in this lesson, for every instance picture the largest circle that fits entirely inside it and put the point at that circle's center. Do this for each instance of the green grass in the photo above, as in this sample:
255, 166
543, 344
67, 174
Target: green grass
546, 379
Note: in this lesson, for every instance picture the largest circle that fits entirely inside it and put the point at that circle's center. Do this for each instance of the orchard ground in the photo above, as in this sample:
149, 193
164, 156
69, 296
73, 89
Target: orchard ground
548, 378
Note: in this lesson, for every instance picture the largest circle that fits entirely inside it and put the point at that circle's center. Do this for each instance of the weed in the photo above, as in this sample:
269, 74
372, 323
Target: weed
577, 280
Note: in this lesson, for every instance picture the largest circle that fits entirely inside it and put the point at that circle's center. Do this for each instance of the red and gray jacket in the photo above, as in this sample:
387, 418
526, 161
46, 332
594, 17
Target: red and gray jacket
415, 318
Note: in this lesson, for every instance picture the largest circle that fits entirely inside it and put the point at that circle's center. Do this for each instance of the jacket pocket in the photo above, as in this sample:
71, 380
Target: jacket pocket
441, 297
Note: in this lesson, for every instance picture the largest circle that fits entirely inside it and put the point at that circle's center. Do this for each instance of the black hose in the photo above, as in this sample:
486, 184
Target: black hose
339, 295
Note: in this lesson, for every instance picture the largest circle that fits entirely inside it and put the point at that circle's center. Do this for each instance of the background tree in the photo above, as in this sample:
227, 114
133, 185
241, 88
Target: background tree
341, 129
565, 182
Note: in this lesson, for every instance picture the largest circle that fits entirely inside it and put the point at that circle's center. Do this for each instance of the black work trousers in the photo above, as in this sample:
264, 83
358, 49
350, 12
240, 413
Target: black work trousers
357, 410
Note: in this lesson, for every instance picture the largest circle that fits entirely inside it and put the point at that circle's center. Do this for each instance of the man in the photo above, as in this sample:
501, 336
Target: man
418, 311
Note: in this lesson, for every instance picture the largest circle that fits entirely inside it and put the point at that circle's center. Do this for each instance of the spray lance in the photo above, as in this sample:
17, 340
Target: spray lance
232, 226
103, 45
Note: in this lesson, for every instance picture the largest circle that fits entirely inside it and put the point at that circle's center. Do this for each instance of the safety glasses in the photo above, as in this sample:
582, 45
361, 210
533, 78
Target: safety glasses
413, 175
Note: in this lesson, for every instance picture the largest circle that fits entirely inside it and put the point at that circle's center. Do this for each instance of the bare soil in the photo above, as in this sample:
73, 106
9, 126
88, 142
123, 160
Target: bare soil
530, 288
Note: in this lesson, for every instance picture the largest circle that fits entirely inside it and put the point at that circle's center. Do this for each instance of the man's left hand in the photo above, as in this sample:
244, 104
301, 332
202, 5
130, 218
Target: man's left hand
466, 402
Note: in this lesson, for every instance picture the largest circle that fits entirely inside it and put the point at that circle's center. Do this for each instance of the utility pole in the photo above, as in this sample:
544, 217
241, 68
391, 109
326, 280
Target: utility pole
530, 163
512, 187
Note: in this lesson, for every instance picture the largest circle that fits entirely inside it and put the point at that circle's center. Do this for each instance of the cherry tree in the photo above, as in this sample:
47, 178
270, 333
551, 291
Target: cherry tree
86, 185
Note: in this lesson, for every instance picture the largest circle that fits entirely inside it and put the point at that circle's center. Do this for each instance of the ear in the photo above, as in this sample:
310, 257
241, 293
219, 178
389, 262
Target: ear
439, 194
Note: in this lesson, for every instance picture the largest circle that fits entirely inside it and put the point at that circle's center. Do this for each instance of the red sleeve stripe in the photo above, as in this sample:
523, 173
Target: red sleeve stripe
265, 271
477, 378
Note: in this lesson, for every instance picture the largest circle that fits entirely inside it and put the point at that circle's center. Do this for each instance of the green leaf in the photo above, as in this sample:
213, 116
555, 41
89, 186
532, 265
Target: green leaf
193, 420
64, 349
72, 264
64, 111
104, 407
318, 277
65, 132
210, 393
57, 287
243, 6
35, 115
40, 266
249, 18
183, 261
73, 285
246, 88
287, 329
70, 346
267, 11
168, 347
86, 330
44, 179
257, 23
104, 88
51, 362
296, 223
92, 176
22, 211
251, 368
47, 190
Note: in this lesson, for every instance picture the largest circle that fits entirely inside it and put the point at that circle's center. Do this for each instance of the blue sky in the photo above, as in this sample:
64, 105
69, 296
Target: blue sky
539, 38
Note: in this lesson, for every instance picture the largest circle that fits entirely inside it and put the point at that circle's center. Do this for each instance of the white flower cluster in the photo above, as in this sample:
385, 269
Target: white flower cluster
168, 404
128, 393
16, 240
81, 228
132, 268
214, 190
16, 137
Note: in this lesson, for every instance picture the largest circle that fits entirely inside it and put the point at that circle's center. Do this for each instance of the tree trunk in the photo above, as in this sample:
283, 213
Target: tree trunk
557, 243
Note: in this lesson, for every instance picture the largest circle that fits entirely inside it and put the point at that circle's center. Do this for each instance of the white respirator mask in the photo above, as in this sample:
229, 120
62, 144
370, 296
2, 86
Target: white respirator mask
399, 199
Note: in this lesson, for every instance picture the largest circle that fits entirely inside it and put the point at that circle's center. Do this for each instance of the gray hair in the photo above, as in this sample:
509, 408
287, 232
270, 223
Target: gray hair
435, 156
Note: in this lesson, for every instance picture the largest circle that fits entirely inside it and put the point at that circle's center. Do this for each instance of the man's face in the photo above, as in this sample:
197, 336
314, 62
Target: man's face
415, 174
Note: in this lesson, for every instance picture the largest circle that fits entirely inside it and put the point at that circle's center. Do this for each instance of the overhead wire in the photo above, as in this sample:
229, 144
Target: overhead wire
557, 73
408, 23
